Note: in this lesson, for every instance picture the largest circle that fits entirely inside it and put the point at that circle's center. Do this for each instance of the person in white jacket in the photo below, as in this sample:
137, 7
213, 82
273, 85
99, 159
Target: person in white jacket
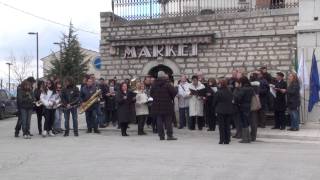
50, 99
183, 102
141, 107
196, 103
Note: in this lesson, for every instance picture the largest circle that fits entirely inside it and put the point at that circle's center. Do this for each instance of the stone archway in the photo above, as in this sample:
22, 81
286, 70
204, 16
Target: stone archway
170, 64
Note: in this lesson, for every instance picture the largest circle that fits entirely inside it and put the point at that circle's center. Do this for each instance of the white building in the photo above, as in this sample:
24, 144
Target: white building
308, 32
93, 57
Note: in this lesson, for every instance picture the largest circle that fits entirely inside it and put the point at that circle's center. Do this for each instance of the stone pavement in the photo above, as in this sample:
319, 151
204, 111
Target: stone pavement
195, 156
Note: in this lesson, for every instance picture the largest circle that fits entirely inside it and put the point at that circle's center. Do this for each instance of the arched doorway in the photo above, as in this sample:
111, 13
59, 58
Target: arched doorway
154, 71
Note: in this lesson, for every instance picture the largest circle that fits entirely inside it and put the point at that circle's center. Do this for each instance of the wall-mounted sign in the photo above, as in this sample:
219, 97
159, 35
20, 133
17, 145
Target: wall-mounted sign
178, 50
97, 63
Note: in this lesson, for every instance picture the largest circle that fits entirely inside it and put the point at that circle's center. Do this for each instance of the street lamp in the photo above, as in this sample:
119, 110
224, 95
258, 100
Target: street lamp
37, 36
9, 64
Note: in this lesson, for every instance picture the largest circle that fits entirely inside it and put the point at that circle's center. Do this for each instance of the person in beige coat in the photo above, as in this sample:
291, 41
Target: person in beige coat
141, 107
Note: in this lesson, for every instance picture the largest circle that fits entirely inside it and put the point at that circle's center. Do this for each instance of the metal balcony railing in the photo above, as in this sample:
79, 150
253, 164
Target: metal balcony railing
151, 9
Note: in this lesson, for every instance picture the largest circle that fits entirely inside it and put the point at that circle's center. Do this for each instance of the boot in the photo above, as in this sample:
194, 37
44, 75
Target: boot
89, 130
76, 133
171, 138
66, 133
96, 130
245, 135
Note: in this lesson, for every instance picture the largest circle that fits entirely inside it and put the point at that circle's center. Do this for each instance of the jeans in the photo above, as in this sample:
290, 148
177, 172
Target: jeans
25, 119
164, 120
100, 116
183, 117
49, 119
91, 118
295, 118
73, 112
57, 120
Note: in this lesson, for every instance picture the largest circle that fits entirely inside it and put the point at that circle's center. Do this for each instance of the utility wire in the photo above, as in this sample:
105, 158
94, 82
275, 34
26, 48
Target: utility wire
45, 19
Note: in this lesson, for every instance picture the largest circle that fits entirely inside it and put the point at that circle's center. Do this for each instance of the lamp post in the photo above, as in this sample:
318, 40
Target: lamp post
9, 64
37, 36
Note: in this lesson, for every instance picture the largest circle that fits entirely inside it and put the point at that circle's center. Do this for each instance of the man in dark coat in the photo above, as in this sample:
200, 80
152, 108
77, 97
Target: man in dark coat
280, 102
162, 108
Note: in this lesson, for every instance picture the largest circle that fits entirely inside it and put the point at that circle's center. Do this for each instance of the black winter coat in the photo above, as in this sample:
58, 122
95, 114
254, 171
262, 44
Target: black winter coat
280, 101
293, 96
163, 94
125, 109
26, 99
70, 95
243, 98
223, 101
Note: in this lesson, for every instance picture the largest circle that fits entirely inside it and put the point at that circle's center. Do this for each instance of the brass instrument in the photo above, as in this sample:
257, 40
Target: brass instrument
93, 99
133, 84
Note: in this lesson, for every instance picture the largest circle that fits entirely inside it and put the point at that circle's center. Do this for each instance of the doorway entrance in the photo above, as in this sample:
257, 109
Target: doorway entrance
154, 71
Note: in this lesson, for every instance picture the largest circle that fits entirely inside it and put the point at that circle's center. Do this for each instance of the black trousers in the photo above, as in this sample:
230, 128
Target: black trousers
280, 119
224, 127
19, 122
141, 122
49, 119
39, 111
164, 122
111, 116
196, 119
212, 121
124, 127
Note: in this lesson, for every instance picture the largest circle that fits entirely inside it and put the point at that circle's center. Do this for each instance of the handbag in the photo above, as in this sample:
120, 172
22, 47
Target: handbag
255, 103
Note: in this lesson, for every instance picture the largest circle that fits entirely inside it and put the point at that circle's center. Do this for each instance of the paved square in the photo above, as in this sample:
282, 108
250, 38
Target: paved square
196, 155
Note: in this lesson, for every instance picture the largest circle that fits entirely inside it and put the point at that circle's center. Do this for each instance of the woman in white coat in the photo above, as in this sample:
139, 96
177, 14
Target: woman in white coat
50, 99
196, 103
141, 107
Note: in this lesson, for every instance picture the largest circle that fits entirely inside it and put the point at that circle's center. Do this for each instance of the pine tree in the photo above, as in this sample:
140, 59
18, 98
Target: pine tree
70, 61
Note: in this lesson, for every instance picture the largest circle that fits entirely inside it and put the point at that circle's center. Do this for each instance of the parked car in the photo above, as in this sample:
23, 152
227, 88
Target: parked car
8, 104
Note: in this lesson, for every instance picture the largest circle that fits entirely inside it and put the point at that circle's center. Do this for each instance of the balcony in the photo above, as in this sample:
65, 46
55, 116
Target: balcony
153, 9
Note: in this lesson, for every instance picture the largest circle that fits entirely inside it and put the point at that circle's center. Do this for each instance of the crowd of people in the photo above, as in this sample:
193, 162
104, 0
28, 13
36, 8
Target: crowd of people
238, 102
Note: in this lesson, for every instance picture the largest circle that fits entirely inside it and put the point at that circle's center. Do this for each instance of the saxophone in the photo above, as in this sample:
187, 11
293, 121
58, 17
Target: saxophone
93, 99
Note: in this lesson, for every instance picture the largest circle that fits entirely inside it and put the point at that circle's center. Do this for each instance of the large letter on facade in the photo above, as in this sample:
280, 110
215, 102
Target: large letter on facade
144, 52
194, 49
170, 51
156, 51
181, 49
130, 52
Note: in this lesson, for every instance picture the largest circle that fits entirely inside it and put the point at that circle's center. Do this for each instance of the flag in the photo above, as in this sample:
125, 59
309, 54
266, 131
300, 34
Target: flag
302, 74
314, 84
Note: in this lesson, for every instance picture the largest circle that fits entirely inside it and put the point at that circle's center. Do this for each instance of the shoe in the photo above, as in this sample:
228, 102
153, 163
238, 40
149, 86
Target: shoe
76, 133
180, 128
275, 128
290, 129
102, 126
142, 133
16, 135
89, 130
220, 142
25, 136
226, 143
44, 134
283, 128
125, 134
40, 132
66, 133
162, 138
51, 134
30, 134
97, 131
244, 141
172, 138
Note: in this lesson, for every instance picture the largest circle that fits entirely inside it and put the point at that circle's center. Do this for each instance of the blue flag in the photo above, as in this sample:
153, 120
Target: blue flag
314, 84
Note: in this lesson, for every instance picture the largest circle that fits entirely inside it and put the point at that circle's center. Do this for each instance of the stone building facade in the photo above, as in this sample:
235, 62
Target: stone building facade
213, 44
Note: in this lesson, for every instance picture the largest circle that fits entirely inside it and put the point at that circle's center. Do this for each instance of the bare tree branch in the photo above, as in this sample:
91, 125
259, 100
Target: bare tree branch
20, 68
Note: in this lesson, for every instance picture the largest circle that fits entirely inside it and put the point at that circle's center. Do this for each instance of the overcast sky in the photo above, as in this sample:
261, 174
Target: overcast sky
15, 26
